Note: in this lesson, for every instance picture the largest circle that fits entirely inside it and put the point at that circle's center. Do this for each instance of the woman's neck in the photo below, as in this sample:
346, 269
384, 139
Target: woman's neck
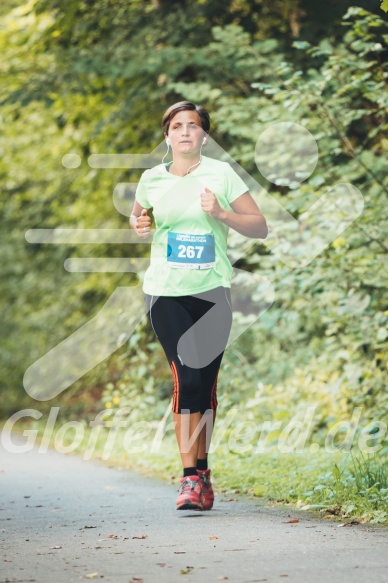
183, 166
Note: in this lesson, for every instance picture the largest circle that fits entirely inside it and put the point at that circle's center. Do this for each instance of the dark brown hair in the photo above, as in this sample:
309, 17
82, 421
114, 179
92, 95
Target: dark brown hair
185, 106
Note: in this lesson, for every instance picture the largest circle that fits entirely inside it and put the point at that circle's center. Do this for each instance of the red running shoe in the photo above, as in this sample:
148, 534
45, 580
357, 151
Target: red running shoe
189, 494
207, 490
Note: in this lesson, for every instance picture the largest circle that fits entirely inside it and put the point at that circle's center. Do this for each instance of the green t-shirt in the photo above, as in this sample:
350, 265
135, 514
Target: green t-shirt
184, 232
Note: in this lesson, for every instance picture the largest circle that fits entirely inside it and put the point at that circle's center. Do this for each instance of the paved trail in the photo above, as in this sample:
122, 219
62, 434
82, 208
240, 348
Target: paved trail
58, 514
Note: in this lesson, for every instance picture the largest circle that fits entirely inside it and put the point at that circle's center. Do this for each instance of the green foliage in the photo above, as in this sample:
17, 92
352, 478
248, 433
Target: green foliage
371, 473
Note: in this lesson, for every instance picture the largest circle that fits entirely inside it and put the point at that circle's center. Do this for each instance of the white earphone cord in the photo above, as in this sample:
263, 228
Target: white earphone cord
168, 149
190, 167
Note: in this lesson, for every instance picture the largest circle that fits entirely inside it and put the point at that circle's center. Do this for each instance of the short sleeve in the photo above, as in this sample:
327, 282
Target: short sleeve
141, 192
234, 185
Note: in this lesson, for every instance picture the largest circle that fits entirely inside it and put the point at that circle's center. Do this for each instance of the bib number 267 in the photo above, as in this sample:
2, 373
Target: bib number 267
190, 251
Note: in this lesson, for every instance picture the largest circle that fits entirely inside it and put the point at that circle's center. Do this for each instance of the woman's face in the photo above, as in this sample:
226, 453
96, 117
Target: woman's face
185, 132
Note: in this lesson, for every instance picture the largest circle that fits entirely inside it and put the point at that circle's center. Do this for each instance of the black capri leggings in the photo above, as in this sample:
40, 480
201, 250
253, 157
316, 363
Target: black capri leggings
193, 331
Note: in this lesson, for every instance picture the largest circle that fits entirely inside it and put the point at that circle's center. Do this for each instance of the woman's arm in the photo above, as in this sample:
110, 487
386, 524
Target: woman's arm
245, 218
139, 220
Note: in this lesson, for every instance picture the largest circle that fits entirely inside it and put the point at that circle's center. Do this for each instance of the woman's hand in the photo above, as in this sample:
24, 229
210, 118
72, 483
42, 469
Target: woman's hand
209, 204
141, 224
245, 218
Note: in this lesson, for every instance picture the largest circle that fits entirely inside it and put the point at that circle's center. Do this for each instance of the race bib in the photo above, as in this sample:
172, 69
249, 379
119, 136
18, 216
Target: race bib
187, 251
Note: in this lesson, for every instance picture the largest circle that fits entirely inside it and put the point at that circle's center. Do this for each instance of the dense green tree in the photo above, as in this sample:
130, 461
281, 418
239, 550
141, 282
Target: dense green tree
94, 77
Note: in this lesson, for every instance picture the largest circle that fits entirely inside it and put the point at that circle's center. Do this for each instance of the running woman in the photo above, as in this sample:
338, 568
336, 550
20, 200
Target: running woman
194, 200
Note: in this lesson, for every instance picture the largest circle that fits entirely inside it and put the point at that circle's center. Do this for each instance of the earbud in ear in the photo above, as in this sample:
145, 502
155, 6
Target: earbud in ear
168, 141
204, 141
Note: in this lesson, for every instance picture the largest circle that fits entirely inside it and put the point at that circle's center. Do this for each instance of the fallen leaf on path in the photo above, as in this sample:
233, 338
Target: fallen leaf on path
56, 547
161, 564
179, 552
136, 580
336, 510
87, 526
91, 575
283, 575
113, 536
141, 536
213, 537
186, 571
352, 523
291, 521
222, 577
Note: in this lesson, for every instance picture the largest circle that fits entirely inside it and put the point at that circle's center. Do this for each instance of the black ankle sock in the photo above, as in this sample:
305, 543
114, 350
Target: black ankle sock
202, 464
189, 472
